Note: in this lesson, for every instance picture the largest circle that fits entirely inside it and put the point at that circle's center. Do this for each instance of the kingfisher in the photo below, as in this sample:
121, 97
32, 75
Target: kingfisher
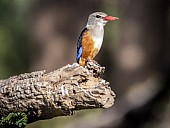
91, 38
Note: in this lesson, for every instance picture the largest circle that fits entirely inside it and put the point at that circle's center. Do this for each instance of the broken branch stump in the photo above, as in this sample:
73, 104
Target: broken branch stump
44, 95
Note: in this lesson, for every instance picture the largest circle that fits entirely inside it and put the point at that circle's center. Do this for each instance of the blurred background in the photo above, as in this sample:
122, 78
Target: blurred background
42, 34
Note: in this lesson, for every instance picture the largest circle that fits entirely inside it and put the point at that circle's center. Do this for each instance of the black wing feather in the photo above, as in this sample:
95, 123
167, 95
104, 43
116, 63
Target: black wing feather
79, 45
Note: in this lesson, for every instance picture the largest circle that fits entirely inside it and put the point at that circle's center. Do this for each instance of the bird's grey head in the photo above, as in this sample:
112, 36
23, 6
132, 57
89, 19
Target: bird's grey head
99, 19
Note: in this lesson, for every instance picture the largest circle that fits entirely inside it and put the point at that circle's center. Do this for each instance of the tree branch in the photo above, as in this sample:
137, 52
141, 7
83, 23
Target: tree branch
59, 93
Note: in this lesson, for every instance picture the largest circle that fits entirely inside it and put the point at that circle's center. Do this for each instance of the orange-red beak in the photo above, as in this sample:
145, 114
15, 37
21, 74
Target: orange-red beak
110, 18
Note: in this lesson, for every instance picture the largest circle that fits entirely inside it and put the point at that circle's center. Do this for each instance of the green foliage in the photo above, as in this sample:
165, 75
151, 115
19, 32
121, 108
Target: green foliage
14, 120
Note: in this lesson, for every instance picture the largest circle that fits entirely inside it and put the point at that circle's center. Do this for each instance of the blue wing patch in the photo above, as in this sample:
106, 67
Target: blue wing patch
79, 45
79, 53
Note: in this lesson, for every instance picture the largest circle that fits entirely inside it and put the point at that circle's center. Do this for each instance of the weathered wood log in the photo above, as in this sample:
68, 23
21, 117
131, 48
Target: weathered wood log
59, 93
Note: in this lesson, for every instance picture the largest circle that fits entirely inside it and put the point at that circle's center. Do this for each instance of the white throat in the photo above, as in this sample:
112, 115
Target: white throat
97, 34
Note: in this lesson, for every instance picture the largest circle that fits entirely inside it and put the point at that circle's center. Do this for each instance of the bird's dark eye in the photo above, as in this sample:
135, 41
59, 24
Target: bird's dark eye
97, 16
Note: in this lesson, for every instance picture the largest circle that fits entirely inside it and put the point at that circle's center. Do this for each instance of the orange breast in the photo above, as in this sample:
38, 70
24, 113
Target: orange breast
89, 51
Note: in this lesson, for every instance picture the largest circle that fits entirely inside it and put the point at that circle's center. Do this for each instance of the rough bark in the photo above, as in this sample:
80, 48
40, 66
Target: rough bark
59, 93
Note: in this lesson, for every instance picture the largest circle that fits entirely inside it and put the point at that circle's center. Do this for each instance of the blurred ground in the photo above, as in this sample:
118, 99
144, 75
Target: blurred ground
42, 34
